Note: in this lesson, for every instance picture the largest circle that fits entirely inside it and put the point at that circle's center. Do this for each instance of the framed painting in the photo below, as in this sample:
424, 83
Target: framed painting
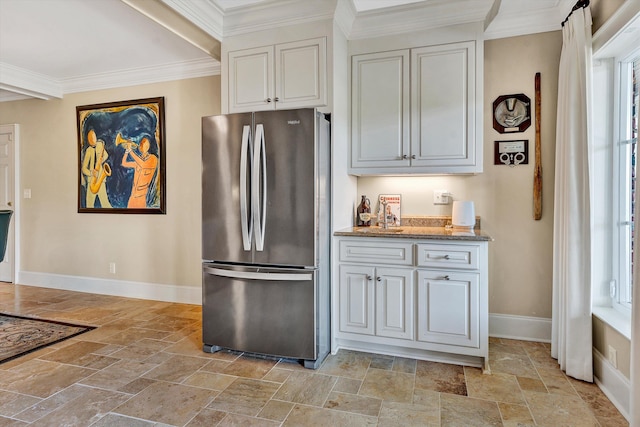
121, 164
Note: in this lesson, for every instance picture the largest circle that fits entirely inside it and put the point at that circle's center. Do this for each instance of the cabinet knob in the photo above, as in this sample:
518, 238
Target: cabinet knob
444, 278
276, 99
268, 100
446, 257
405, 157
369, 277
379, 279
413, 156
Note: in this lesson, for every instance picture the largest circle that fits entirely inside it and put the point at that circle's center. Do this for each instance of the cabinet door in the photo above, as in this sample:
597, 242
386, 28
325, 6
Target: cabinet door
301, 74
448, 308
394, 303
380, 110
251, 80
443, 107
356, 299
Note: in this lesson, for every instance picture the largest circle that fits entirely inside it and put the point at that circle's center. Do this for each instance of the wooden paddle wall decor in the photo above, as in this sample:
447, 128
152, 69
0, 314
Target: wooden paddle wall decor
537, 171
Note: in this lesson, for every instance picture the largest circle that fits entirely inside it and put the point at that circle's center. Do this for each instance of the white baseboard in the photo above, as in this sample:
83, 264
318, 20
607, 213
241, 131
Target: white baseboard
519, 327
121, 288
613, 384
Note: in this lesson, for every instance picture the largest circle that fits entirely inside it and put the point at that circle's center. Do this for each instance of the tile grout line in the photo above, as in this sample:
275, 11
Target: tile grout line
524, 396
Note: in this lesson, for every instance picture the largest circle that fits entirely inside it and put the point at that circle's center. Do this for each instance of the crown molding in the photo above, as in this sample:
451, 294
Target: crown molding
274, 13
492, 13
180, 19
345, 16
204, 13
17, 83
620, 32
9, 94
517, 24
418, 17
27, 82
140, 76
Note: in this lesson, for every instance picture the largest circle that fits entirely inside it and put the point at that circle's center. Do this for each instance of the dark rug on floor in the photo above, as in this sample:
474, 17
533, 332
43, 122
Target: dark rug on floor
20, 335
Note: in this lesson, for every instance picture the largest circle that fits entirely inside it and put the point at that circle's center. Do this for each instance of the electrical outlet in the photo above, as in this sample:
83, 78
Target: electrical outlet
440, 197
613, 357
112, 267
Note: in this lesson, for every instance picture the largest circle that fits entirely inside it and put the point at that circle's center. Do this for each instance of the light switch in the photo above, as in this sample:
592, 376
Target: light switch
27, 193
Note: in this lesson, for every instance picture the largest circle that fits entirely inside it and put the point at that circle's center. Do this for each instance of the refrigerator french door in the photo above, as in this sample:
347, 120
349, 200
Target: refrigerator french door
259, 188
265, 243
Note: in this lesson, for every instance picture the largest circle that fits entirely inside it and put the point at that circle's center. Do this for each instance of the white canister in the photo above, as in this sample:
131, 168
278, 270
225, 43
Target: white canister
464, 214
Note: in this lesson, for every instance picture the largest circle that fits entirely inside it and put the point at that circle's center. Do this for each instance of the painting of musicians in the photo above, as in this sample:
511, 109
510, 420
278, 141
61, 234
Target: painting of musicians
120, 157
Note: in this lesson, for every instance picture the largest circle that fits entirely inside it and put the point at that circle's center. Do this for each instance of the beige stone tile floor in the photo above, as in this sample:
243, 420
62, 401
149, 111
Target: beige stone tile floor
144, 366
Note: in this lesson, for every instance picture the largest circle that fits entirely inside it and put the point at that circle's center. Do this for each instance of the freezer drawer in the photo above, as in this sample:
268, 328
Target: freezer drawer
260, 310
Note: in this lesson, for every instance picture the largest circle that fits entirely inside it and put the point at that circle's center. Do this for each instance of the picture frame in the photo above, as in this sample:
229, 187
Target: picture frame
511, 153
512, 113
121, 160
394, 202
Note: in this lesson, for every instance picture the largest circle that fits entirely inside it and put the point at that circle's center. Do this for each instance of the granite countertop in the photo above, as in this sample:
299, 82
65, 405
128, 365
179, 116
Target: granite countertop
436, 228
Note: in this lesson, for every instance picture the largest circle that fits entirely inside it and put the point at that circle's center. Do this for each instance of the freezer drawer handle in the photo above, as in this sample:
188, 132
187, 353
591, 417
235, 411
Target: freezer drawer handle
246, 220
293, 277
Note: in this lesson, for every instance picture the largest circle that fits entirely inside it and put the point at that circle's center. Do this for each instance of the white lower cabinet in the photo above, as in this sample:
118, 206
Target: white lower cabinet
424, 299
448, 308
394, 303
356, 299
376, 301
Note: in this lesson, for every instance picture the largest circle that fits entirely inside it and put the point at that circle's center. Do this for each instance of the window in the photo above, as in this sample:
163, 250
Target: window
627, 156
613, 156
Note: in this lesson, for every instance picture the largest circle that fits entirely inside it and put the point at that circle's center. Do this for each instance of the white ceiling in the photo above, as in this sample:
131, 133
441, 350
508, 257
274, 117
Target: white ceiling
52, 47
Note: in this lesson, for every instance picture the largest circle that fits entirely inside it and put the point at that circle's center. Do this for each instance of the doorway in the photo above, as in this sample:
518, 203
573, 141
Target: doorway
8, 201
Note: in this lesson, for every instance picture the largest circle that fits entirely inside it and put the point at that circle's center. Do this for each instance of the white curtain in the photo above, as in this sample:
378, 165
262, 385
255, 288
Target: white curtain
635, 324
571, 322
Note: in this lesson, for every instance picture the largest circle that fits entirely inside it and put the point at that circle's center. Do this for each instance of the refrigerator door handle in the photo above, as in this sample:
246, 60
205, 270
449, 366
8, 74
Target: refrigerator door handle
291, 277
245, 219
259, 187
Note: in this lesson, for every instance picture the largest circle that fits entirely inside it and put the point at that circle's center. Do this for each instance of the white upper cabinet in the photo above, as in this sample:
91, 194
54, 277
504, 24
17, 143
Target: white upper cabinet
281, 76
380, 110
251, 80
442, 107
416, 111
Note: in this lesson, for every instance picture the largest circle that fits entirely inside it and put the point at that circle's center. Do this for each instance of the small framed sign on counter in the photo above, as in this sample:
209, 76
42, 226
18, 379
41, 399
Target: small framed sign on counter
393, 202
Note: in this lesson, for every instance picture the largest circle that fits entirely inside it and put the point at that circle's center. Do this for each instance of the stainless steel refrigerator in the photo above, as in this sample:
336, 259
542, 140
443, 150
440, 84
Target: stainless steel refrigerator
265, 234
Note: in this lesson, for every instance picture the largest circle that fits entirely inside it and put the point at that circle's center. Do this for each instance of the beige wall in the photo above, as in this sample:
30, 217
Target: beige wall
605, 336
55, 239
520, 257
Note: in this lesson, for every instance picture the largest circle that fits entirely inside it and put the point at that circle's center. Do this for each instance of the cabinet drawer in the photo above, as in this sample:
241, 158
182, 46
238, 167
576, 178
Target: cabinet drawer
376, 253
448, 256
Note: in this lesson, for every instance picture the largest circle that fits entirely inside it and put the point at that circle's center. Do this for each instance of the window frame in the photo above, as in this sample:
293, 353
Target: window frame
623, 95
